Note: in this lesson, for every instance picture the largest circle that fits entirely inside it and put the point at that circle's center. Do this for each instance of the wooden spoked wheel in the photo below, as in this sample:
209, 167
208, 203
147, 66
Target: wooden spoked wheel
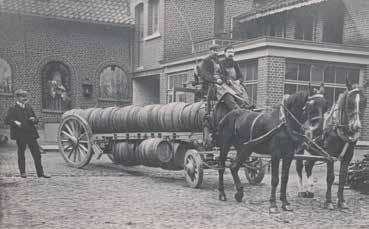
193, 168
74, 138
255, 174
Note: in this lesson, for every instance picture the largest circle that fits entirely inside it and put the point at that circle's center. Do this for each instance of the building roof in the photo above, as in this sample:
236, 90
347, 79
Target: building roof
96, 11
275, 6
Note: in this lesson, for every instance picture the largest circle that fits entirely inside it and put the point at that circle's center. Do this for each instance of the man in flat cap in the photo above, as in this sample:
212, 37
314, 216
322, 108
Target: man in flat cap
210, 72
22, 120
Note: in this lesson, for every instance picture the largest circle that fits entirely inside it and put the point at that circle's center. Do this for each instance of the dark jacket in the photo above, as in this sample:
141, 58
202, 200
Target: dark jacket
230, 67
27, 129
209, 75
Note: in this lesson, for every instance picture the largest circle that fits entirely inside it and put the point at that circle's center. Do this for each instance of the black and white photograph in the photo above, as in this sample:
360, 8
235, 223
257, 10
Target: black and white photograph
174, 114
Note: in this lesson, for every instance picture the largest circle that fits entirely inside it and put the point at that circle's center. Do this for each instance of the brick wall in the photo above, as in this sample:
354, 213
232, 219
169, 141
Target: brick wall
27, 43
356, 28
199, 16
271, 73
365, 122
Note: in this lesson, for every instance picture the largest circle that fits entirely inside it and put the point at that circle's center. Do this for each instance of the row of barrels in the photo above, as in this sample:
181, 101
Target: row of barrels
170, 117
152, 152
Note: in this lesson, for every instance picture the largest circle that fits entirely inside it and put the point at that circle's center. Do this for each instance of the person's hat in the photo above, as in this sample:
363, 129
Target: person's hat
21, 92
214, 47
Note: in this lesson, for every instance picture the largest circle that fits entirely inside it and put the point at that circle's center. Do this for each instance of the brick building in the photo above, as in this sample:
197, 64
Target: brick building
281, 45
81, 46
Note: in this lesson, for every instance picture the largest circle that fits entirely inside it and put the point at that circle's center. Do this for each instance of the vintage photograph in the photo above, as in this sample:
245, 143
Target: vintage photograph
145, 114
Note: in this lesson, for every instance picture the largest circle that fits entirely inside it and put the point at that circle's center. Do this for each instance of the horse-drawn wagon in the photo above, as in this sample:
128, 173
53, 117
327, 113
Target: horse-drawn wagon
169, 136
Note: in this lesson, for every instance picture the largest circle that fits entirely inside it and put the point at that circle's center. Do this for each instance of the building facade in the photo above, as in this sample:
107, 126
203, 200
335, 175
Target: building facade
282, 46
65, 55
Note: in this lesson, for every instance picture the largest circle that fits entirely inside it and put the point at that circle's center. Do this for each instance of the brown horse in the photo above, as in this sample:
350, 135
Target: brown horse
342, 127
277, 133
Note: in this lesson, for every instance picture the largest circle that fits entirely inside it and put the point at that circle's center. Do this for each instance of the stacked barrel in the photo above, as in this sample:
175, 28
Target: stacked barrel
172, 117
153, 152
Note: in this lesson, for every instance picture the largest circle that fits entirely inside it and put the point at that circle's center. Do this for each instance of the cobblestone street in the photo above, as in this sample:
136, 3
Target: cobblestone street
104, 195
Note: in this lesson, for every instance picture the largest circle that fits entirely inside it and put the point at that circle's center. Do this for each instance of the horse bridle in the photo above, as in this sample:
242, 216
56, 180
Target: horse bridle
343, 126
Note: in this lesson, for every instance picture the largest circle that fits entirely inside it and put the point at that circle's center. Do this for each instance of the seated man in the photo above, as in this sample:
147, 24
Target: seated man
210, 72
232, 76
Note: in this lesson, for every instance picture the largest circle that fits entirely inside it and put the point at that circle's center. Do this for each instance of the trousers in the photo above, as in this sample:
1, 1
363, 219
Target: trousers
35, 151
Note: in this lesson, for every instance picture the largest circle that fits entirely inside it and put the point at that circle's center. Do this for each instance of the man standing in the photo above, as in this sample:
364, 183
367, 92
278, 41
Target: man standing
21, 119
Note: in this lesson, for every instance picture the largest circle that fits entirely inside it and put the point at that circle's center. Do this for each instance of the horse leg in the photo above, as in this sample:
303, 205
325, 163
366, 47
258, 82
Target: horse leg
343, 176
330, 179
286, 164
309, 164
299, 168
222, 159
275, 180
237, 163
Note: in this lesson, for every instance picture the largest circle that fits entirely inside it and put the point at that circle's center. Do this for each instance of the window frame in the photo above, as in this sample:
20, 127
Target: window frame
112, 99
170, 89
10, 87
153, 18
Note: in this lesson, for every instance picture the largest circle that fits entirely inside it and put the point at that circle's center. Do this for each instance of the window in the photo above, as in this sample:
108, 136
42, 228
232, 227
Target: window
56, 86
114, 83
139, 17
139, 20
333, 24
153, 17
299, 75
304, 28
5, 77
249, 70
177, 80
219, 16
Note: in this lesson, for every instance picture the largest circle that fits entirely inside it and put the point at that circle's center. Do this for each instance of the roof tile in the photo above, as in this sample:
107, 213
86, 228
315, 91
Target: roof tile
106, 11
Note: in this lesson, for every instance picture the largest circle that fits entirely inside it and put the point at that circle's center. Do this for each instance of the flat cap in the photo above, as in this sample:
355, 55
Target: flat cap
20, 92
214, 47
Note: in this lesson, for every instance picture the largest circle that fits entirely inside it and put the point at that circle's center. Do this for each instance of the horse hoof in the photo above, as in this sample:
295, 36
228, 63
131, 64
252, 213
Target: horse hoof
222, 197
342, 205
302, 194
238, 196
309, 195
328, 206
273, 210
287, 208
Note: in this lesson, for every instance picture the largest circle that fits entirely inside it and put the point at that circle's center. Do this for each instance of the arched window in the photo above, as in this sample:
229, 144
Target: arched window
5, 77
114, 83
56, 86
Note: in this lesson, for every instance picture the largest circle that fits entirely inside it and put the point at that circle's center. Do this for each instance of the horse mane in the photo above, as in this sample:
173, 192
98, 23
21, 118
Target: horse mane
299, 98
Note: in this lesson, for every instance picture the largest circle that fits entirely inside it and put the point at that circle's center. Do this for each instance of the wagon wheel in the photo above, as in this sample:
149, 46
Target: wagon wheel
74, 138
193, 168
256, 174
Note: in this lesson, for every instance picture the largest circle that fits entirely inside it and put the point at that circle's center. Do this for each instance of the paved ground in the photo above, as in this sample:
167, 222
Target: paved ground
104, 195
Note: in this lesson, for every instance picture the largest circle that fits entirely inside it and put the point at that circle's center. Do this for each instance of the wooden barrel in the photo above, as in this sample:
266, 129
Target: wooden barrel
85, 113
95, 118
68, 112
179, 152
154, 151
200, 116
132, 118
124, 153
192, 117
154, 118
120, 117
105, 124
170, 116
177, 117
144, 119
185, 117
